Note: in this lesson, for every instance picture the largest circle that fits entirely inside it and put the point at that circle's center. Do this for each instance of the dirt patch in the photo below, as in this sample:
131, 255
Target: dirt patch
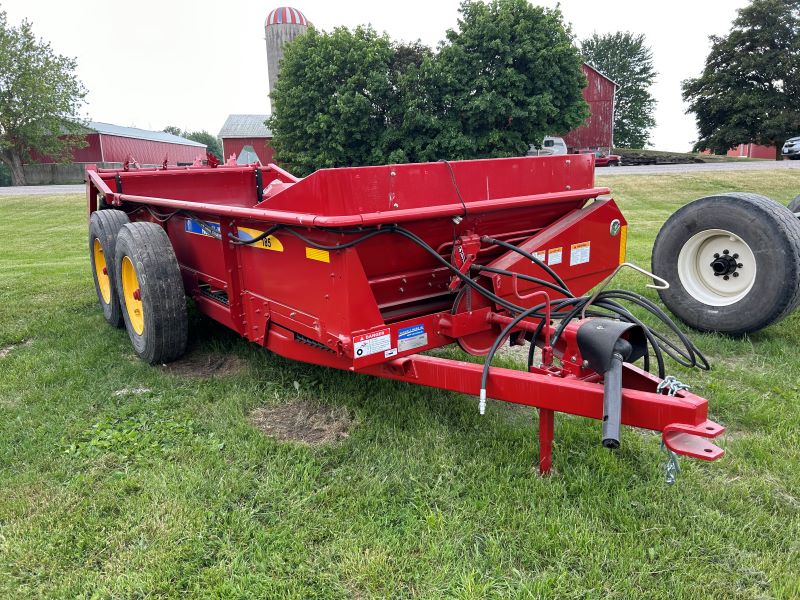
6, 350
206, 365
303, 422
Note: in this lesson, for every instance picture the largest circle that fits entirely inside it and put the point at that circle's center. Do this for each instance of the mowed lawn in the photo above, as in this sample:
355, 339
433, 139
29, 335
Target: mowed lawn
121, 480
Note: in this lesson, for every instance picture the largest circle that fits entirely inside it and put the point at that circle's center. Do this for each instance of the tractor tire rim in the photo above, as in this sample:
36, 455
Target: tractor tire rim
101, 271
132, 294
717, 267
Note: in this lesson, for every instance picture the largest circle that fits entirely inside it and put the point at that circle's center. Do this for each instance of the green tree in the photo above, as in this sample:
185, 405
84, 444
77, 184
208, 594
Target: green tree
626, 58
209, 140
750, 87
508, 76
511, 76
40, 99
203, 137
331, 102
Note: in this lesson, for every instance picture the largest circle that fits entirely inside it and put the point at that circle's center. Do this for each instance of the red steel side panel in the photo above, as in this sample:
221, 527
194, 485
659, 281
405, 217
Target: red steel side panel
598, 131
260, 145
89, 153
147, 152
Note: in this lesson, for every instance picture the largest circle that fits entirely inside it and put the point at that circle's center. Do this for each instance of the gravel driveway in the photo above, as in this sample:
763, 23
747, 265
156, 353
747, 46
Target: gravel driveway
42, 190
766, 165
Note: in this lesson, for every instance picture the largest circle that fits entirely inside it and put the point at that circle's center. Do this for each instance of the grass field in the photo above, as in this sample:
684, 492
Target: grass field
120, 480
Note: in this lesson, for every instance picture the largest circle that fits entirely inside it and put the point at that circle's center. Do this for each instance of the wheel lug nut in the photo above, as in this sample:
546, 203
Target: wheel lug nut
725, 252
726, 278
735, 274
735, 256
716, 254
739, 265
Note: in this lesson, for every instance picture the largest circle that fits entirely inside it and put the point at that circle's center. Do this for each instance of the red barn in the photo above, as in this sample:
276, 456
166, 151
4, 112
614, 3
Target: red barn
241, 131
106, 143
598, 131
753, 151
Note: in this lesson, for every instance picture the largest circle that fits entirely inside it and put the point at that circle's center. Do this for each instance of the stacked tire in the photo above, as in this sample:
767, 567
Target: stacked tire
732, 261
139, 284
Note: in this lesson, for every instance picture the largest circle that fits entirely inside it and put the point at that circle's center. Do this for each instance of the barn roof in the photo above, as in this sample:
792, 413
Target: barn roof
245, 126
141, 134
599, 72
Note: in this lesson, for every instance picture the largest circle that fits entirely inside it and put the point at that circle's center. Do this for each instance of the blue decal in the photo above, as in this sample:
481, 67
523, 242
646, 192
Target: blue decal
202, 228
410, 332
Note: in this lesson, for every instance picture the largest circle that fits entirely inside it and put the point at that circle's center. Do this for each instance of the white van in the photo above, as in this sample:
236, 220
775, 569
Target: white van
551, 146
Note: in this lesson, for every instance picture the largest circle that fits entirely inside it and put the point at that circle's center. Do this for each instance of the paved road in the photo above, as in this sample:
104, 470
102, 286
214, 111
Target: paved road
766, 165
42, 190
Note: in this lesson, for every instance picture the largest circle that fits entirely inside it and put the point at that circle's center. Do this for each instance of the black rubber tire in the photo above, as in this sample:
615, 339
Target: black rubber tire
163, 338
772, 233
104, 226
794, 205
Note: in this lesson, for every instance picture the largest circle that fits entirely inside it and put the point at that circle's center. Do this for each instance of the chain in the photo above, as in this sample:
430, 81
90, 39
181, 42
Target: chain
671, 383
672, 467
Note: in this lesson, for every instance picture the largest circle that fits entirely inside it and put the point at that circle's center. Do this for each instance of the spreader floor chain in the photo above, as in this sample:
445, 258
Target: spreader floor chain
367, 268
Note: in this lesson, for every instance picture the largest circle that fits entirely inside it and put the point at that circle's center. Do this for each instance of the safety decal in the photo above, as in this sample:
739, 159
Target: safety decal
541, 255
372, 343
201, 227
268, 243
579, 253
316, 254
554, 256
411, 337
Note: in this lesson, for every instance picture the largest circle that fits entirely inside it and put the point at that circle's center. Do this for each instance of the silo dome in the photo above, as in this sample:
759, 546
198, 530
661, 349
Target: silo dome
285, 15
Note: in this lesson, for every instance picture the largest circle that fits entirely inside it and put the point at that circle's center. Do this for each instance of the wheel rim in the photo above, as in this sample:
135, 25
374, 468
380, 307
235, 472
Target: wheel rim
101, 271
717, 267
133, 295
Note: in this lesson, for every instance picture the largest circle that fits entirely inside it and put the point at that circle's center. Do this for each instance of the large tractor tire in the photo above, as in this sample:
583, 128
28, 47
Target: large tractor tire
151, 292
104, 226
794, 205
732, 262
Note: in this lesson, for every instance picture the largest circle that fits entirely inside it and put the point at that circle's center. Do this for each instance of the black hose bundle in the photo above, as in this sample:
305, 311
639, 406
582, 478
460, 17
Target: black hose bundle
564, 310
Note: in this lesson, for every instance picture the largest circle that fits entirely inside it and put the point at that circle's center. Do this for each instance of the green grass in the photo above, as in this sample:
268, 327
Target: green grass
171, 492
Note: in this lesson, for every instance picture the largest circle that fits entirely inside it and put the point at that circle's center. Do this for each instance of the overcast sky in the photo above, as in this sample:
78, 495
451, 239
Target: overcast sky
191, 63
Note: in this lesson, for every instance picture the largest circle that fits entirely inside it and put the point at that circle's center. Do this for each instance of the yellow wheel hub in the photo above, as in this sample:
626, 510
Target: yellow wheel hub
101, 271
133, 295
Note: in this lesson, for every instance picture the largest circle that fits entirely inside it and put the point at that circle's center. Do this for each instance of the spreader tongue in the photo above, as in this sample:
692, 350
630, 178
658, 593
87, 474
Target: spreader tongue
692, 440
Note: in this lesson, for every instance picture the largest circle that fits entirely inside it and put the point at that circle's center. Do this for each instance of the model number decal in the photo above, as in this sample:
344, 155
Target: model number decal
268, 243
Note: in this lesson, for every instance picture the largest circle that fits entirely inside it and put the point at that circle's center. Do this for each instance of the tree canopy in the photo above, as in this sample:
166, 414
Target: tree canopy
40, 99
503, 79
203, 137
749, 90
332, 99
625, 57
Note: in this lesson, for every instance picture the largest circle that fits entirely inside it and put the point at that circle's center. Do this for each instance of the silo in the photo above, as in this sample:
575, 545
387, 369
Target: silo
283, 25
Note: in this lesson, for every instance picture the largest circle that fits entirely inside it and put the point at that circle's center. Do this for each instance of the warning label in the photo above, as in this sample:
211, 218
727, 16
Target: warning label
541, 254
372, 343
554, 256
411, 337
579, 253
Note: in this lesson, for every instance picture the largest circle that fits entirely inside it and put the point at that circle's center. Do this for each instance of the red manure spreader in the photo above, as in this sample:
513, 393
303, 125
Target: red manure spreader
367, 268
